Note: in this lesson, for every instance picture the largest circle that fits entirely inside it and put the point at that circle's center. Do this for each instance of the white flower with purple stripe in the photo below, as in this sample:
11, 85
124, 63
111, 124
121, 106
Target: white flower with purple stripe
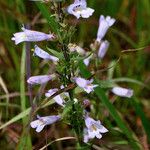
41, 79
31, 36
42, 54
58, 99
41, 122
93, 129
122, 92
104, 24
79, 9
86, 85
103, 49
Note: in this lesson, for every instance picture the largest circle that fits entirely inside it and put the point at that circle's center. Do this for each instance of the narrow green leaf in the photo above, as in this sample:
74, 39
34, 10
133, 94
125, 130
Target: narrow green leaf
22, 83
124, 79
106, 83
55, 53
111, 70
51, 21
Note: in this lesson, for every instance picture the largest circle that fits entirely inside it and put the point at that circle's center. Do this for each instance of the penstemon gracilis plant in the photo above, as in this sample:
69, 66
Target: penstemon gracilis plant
67, 60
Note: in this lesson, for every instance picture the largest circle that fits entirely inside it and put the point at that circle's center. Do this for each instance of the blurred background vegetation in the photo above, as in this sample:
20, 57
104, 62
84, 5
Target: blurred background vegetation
131, 31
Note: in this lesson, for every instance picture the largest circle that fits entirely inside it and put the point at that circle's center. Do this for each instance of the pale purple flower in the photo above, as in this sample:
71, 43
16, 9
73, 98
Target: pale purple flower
86, 135
79, 9
58, 99
86, 85
42, 54
94, 129
104, 24
31, 36
41, 79
122, 92
86, 61
103, 49
41, 122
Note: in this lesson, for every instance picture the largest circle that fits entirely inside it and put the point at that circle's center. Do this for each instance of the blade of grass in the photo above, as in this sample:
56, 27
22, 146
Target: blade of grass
25, 142
23, 114
25, 139
16, 118
53, 24
22, 83
125, 37
124, 79
141, 114
120, 122
4, 87
60, 139
10, 105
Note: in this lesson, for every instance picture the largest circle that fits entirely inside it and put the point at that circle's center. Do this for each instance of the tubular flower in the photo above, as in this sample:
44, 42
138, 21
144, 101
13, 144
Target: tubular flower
122, 92
85, 84
103, 49
41, 122
58, 99
93, 129
31, 36
40, 79
104, 24
87, 60
42, 54
79, 9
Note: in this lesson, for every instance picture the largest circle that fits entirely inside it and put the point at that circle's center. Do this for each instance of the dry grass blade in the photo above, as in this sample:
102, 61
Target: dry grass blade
60, 139
4, 87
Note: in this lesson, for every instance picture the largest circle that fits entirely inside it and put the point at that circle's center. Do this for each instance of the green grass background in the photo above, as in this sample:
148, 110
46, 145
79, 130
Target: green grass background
128, 120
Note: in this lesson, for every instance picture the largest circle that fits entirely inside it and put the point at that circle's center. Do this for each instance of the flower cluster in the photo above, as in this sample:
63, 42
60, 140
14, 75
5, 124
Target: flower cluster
93, 129
68, 74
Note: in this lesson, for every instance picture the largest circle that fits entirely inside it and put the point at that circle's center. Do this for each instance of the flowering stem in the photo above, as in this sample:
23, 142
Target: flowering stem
76, 112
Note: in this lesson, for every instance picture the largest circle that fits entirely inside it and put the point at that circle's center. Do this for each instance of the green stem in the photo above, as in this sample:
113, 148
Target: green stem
76, 112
